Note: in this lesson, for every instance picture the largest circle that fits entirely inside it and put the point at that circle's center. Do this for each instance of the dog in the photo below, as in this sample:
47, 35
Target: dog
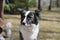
1, 36
6, 27
29, 27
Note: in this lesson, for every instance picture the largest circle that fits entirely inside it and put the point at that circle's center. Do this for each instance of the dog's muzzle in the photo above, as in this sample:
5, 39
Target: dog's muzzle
23, 23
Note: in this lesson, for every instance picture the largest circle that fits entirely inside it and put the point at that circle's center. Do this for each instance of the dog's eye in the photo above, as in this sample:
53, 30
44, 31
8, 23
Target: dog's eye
29, 16
23, 16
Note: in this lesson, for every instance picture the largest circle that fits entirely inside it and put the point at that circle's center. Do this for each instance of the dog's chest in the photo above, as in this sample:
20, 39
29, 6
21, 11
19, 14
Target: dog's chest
30, 32
29, 28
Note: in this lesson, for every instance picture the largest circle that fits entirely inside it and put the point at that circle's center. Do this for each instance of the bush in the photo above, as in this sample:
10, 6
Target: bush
24, 4
32, 3
7, 7
21, 3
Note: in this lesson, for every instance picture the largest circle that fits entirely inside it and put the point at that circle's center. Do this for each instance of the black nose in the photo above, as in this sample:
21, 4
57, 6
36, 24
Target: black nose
23, 23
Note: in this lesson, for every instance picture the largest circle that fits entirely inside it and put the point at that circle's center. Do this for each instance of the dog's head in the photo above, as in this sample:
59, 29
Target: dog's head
28, 17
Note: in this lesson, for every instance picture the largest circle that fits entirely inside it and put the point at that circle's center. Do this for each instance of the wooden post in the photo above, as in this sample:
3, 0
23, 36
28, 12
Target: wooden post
2, 8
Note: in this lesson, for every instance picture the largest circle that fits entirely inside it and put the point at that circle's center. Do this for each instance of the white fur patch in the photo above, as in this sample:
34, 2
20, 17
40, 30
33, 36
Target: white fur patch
1, 37
27, 13
24, 21
9, 25
8, 29
30, 32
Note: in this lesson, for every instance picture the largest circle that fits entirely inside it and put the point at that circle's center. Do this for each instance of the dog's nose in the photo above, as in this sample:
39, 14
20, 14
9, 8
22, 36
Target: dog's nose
23, 23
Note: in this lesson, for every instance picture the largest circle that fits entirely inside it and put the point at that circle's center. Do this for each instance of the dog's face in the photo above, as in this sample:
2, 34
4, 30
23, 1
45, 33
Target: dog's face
28, 17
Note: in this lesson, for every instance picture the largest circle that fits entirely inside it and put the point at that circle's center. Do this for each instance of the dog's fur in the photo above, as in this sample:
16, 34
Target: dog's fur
6, 27
29, 25
1, 36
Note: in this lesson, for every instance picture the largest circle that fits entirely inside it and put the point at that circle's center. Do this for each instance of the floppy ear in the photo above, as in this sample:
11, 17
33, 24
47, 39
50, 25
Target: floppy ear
21, 11
37, 13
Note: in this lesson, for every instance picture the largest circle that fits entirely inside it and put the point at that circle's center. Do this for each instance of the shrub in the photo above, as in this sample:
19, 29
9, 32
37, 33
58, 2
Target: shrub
32, 3
7, 7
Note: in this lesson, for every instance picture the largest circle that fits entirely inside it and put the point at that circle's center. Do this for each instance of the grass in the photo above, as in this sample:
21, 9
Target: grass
49, 25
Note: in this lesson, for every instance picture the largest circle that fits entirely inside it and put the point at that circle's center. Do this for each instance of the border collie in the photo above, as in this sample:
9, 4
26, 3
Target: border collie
29, 27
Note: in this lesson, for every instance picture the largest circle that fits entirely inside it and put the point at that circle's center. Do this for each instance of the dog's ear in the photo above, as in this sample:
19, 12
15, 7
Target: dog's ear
21, 11
37, 13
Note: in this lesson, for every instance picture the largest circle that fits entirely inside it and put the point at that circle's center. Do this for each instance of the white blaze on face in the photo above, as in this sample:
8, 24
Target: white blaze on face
27, 13
24, 21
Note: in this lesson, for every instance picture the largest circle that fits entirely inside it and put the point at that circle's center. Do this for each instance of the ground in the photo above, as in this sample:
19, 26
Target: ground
49, 25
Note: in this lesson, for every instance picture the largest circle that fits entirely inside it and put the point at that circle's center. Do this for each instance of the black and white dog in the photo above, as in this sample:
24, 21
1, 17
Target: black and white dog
29, 28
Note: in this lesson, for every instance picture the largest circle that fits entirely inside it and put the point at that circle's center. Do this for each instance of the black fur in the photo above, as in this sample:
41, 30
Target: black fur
1, 30
21, 36
37, 13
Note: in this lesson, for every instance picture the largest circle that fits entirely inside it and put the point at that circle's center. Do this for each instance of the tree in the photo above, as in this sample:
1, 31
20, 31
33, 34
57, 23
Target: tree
49, 8
2, 8
57, 3
39, 5
22, 4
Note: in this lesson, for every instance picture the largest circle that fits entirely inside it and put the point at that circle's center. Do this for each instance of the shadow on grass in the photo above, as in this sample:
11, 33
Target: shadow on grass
49, 20
55, 10
49, 31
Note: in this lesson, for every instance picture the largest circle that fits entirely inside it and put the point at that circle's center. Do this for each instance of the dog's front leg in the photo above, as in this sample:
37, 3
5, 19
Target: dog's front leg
21, 36
37, 37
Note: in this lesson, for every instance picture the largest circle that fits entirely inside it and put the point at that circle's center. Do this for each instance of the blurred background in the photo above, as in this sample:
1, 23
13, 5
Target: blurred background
49, 14
11, 5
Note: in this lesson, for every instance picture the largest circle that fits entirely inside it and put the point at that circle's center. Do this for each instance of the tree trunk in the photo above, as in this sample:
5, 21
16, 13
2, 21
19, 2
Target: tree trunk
49, 8
57, 3
39, 5
2, 8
